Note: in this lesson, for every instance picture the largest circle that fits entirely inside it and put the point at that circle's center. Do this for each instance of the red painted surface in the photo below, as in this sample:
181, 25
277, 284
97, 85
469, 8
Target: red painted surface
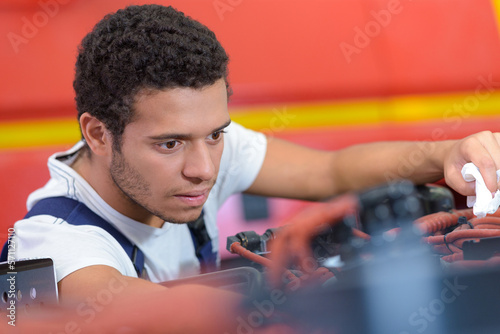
281, 50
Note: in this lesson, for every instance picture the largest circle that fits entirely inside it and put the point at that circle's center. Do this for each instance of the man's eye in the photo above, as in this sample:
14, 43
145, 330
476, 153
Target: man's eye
216, 135
169, 144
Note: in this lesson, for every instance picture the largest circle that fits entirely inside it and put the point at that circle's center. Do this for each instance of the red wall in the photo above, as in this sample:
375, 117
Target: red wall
281, 50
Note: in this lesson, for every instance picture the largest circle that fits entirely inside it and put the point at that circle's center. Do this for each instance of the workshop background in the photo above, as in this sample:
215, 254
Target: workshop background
323, 73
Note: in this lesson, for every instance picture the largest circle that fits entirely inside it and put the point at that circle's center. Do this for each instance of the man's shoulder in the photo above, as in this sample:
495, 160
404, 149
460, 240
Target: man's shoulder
64, 181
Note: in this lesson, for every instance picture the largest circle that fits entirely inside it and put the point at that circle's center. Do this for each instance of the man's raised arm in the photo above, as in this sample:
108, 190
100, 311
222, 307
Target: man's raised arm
294, 171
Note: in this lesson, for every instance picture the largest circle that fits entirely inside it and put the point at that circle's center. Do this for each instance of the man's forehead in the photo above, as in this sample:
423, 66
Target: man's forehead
181, 108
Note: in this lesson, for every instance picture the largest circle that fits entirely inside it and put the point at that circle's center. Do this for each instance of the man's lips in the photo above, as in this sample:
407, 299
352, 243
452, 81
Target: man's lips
194, 193
194, 198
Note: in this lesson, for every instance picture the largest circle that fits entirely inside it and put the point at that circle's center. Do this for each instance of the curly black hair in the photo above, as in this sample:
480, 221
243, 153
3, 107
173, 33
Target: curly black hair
142, 47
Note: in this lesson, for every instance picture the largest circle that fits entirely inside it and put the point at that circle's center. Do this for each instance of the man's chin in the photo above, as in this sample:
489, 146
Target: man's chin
185, 218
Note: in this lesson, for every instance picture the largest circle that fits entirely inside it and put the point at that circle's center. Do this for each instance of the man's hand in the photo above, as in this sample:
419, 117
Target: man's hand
482, 149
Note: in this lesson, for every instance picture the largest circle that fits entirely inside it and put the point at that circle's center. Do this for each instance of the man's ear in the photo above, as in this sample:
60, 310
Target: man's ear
96, 135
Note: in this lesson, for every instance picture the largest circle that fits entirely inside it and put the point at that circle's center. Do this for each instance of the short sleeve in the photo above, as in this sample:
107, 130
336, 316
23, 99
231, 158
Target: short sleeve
70, 247
242, 159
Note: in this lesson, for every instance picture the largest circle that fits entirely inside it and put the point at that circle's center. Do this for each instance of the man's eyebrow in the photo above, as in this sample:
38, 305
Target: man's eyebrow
222, 127
182, 136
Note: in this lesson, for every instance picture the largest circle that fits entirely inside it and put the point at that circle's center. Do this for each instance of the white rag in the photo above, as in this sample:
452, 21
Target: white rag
484, 202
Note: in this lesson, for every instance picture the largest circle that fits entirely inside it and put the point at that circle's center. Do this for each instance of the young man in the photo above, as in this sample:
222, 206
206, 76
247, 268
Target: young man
159, 150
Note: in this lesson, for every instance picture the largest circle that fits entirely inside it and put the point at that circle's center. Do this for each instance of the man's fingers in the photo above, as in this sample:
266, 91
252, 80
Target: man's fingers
487, 158
483, 150
459, 185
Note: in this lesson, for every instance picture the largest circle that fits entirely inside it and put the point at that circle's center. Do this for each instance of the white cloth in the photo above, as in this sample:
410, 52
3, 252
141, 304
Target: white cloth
168, 251
484, 202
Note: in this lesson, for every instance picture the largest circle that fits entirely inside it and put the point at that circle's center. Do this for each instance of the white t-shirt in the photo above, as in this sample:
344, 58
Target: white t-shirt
168, 251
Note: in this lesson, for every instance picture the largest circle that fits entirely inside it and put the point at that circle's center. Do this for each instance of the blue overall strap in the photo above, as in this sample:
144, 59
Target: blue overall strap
203, 245
77, 213
5, 250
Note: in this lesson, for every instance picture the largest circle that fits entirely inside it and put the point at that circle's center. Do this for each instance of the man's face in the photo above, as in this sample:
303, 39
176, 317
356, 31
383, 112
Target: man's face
171, 151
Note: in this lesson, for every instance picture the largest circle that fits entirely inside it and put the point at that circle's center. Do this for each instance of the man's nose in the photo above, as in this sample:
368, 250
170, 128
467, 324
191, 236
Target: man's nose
198, 162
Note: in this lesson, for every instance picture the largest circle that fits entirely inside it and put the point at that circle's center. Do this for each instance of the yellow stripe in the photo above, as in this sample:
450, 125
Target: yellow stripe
442, 107
496, 5
38, 133
396, 109
285, 116
312, 115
